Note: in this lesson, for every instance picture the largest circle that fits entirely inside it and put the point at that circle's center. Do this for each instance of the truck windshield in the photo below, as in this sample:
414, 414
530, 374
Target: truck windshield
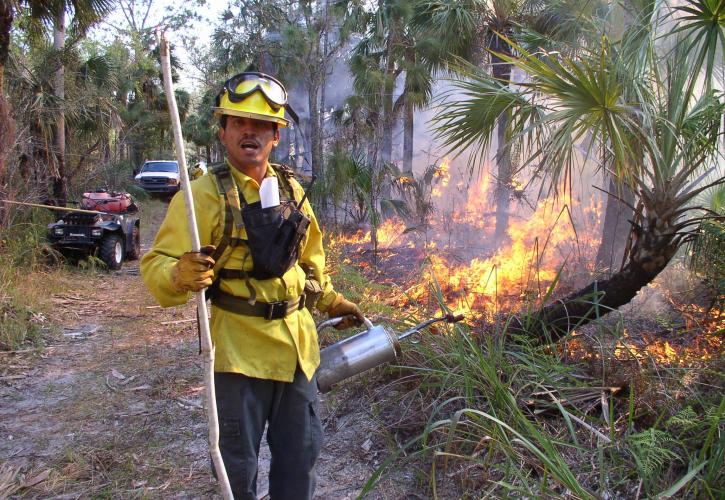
160, 166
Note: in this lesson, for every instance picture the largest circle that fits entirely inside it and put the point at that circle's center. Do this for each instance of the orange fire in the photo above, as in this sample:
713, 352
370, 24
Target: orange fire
644, 348
524, 268
456, 252
443, 176
389, 233
476, 275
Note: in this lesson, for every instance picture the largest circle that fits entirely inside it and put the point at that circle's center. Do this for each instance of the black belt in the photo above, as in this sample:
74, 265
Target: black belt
266, 310
239, 274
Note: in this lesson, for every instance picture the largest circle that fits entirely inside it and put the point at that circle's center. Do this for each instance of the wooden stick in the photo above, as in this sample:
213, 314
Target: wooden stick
207, 348
53, 207
178, 321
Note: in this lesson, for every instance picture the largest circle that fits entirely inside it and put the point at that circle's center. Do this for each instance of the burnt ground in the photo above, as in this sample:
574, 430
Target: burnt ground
112, 405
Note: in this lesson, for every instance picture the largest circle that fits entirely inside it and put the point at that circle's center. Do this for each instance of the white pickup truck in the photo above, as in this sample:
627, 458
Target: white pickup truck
159, 176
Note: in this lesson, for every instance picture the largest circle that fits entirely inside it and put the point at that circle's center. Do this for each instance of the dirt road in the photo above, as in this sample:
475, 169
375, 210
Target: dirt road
112, 406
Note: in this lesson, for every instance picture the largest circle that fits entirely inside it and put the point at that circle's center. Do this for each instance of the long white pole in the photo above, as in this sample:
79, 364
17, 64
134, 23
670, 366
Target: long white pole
207, 348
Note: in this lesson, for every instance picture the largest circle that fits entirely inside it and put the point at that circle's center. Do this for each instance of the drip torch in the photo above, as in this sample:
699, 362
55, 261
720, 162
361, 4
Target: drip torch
373, 347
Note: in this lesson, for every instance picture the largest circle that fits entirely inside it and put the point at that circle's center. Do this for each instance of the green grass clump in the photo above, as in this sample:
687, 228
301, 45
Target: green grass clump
26, 260
494, 415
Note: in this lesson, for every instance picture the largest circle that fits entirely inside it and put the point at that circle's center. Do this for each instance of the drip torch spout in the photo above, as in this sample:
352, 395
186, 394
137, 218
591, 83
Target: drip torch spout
448, 318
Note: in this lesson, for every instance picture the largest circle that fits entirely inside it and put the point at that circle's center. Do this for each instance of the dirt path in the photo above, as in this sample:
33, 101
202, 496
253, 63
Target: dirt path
112, 406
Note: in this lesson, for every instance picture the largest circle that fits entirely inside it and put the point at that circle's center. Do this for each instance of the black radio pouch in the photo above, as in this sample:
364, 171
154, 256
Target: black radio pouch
274, 235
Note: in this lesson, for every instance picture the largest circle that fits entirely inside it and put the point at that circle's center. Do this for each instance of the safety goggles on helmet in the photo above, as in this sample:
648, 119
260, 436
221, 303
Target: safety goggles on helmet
241, 86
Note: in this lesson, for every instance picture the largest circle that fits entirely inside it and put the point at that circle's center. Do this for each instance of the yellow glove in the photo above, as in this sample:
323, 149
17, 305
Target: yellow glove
194, 271
352, 314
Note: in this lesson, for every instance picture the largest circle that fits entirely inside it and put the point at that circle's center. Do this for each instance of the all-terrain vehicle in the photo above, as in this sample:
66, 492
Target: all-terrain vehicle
106, 225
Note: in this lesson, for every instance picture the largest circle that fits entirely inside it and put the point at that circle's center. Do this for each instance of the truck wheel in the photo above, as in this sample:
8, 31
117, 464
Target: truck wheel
112, 251
135, 251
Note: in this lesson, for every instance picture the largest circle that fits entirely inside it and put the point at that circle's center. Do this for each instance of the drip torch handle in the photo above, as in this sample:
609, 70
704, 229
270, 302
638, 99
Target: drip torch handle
335, 321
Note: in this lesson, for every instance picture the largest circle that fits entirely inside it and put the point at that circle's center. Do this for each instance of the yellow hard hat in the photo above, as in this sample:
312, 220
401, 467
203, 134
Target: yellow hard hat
253, 95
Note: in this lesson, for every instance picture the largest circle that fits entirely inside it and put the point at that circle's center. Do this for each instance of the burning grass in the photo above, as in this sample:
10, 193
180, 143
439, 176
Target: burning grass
486, 415
629, 406
477, 274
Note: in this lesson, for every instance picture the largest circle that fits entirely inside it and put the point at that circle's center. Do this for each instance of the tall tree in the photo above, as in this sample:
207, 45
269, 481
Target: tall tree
87, 107
416, 95
60, 184
144, 128
42, 13
7, 132
376, 64
199, 127
388, 50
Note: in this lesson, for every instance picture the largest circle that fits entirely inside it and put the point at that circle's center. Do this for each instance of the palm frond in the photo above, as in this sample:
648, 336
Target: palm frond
703, 23
446, 27
560, 102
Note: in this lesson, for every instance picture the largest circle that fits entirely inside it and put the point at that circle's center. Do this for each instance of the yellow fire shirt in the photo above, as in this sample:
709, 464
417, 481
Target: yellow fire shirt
250, 345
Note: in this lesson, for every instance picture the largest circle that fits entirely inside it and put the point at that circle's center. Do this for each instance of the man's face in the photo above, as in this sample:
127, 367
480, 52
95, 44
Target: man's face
248, 142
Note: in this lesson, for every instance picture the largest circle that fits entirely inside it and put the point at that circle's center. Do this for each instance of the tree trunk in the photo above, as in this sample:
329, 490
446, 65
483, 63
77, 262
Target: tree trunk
7, 128
408, 127
654, 245
388, 116
504, 177
60, 183
6, 24
616, 227
313, 91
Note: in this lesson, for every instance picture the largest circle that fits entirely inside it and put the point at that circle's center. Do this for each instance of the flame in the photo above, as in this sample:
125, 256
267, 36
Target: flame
521, 269
443, 173
443, 177
651, 348
388, 233
458, 255
474, 273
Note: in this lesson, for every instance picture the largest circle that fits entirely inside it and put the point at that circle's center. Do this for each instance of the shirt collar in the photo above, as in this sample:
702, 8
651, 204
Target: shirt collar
243, 178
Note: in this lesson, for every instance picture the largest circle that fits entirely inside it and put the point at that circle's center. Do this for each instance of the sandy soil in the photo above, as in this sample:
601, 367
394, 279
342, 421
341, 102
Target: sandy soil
112, 406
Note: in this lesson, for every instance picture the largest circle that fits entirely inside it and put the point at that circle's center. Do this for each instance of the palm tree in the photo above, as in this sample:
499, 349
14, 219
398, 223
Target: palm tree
86, 13
88, 110
656, 121
199, 127
417, 93
42, 12
377, 63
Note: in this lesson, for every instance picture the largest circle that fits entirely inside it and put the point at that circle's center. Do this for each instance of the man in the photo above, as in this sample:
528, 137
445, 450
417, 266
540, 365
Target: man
196, 171
266, 342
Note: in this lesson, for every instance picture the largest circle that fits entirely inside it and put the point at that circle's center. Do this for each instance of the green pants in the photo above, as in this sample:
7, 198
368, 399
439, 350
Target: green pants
294, 433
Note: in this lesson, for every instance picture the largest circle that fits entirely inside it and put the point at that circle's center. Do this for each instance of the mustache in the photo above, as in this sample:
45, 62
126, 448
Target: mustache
247, 140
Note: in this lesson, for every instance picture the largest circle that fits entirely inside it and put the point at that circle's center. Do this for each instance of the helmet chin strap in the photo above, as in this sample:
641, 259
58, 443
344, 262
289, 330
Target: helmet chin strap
292, 114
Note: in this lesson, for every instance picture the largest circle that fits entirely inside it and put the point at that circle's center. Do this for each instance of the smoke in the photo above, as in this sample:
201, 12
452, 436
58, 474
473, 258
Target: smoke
465, 190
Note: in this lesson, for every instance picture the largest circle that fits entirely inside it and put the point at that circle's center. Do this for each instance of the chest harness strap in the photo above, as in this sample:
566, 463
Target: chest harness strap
233, 217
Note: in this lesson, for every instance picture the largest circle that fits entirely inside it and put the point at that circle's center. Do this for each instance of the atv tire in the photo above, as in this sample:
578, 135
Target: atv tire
112, 251
135, 251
